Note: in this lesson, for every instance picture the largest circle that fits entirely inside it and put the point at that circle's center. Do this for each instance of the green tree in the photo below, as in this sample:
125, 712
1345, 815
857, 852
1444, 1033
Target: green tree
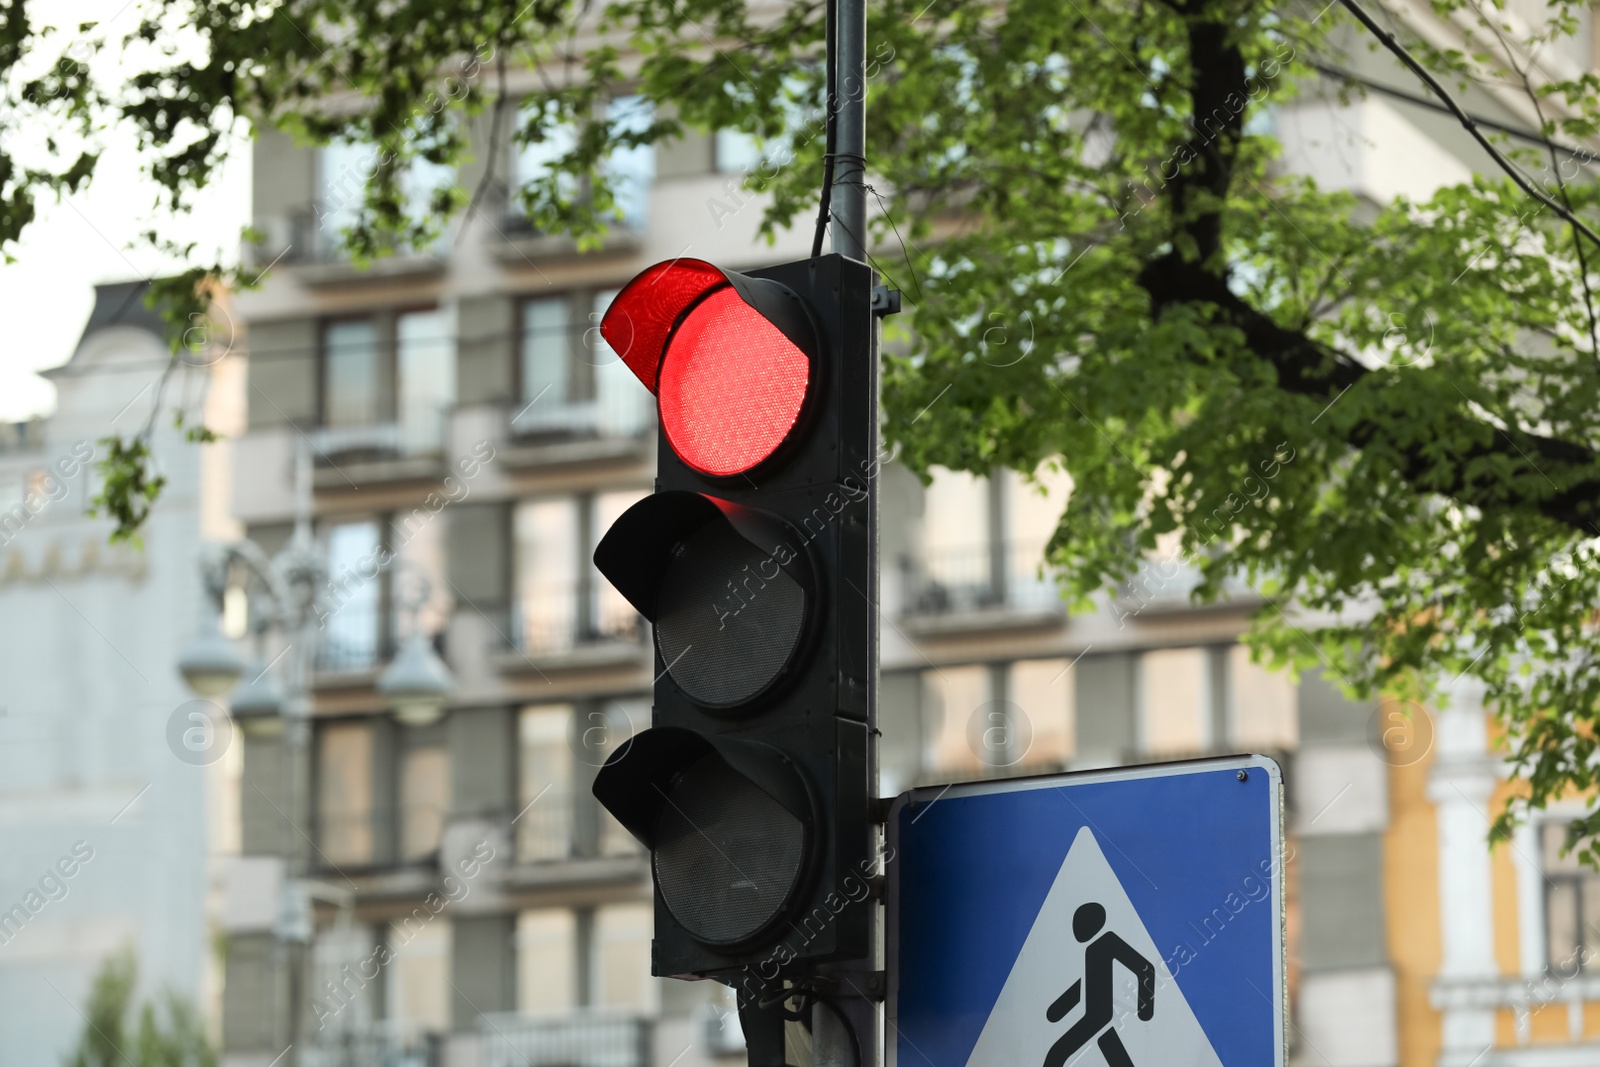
171, 1037
1385, 414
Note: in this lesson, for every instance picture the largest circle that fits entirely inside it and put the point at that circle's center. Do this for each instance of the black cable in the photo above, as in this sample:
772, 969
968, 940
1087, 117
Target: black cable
825, 207
1466, 120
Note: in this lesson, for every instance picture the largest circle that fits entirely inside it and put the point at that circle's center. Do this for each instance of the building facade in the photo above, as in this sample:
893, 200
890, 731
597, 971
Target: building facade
471, 904
109, 814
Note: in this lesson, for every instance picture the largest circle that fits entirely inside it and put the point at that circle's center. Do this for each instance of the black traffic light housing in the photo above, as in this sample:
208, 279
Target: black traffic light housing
752, 787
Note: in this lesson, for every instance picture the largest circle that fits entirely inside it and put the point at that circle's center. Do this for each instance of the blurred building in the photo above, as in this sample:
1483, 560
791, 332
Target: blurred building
464, 415
108, 813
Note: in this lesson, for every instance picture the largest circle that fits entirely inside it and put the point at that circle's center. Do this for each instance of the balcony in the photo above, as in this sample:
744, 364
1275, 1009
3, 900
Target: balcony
375, 1045
553, 828
310, 242
616, 426
586, 1040
409, 447
1565, 997
980, 588
572, 627
520, 243
407, 836
355, 641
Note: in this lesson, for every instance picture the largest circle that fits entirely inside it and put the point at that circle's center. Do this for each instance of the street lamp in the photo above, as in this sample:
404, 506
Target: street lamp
258, 705
211, 665
289, 594
417, 682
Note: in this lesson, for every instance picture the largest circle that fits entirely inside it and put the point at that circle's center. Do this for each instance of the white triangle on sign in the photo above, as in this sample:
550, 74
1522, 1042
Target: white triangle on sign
1019, 1031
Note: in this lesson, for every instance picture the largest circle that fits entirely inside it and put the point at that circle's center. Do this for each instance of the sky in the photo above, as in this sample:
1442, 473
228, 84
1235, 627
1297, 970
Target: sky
46, 295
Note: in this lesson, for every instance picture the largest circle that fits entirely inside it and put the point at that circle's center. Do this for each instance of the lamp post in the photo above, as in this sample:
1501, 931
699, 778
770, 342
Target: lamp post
289, 594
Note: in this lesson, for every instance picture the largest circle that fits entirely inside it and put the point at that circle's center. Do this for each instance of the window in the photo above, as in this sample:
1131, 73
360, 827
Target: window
958, 573
736, 152
419, 976
426, 367
547, 962
953, 718
613, 616
546, 354
625, 405
618, 720
420, 592
1032, 510
632, 171
424, 800
1571, 904
343, 169
544, 825
547, 563
1175, 704
350, 378
1042, 690
622, 958
342, 998
1264, 711
351, 628
344, 793
533, 161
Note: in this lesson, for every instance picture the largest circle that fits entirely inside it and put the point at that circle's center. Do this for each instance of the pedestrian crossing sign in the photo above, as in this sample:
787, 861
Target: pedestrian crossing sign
1124, 918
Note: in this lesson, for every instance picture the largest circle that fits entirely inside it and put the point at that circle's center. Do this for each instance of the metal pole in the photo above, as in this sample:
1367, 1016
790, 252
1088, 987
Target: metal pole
849, 1033
849, 197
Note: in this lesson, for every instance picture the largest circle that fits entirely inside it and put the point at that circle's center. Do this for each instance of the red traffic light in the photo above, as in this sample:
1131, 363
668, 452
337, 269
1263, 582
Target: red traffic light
730, 358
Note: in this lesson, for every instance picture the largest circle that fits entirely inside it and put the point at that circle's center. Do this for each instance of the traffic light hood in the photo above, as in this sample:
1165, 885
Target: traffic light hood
637, 782
637, 550
640, 323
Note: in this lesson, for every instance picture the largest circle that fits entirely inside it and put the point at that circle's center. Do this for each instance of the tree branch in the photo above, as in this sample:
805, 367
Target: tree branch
1307, 367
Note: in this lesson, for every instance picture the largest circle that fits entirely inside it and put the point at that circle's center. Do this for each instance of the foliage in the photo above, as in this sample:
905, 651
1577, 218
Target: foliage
172, 1037
1384, 413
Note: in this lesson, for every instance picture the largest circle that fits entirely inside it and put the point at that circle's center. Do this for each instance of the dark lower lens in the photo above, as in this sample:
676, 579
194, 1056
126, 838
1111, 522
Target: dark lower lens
727, 855
728, 619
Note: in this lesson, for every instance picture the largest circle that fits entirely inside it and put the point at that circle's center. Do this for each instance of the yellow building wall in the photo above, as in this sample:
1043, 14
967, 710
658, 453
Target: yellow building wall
1411, 894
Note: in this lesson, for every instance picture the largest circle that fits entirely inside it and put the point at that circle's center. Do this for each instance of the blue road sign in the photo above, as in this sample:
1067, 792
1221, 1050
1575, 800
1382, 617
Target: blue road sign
1126, 918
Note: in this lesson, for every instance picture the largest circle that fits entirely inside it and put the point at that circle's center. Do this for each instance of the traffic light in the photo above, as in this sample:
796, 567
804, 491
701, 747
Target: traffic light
755, 563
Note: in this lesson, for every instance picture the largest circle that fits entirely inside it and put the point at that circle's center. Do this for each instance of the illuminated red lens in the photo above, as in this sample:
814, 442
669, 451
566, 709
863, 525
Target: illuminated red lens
732, 386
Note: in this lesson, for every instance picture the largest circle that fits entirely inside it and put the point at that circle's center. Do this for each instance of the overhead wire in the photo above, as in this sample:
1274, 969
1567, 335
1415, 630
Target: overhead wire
1400, 52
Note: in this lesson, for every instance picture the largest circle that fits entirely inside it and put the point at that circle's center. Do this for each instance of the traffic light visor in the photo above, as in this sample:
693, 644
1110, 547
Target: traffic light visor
731, 359
729, 590
730, 825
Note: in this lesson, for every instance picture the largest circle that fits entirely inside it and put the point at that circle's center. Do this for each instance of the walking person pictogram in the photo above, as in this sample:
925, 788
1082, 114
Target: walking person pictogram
1097, 998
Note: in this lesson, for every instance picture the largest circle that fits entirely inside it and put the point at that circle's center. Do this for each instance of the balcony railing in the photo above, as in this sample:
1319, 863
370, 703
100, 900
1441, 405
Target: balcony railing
375, 1045
588, 1040
353, 640
382, 836
615, 413
418, 432
547, 830
1567, 997
314, 237
555, 620
979, 579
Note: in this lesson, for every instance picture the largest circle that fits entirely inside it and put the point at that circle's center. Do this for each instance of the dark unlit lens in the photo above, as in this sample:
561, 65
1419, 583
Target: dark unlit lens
729, 618
727, 855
